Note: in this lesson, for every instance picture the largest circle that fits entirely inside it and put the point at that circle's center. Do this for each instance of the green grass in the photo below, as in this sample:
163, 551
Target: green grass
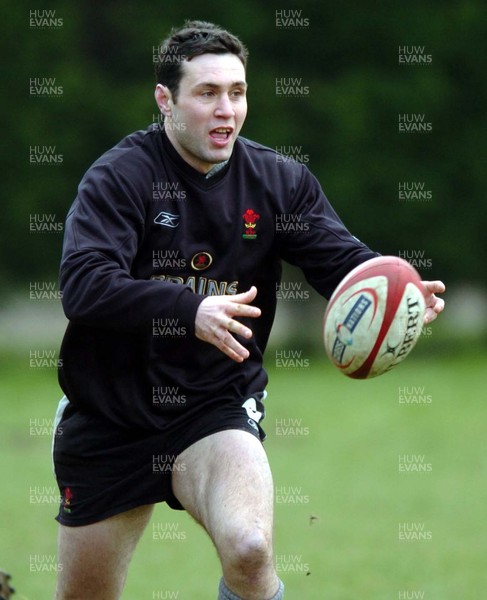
337, 528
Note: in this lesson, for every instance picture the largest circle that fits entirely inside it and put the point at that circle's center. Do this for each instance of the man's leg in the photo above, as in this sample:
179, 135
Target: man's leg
93, 559
224, 481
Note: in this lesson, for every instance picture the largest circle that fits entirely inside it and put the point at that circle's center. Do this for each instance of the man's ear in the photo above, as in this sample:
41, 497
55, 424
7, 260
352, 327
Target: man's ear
163, 98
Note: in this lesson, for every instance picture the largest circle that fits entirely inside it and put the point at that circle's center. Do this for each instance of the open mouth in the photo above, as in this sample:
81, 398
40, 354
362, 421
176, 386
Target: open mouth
221, 134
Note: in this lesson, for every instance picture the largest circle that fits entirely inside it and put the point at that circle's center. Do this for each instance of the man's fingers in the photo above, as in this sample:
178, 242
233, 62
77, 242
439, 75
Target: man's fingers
434, 287
438, 305
433, 309
242, 310
238, 329
239, 307
215, 322
225, 342
430, 315
245, 297
434, 305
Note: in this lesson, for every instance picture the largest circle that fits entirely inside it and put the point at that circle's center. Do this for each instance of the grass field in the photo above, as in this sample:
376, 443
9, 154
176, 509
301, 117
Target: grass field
349, 523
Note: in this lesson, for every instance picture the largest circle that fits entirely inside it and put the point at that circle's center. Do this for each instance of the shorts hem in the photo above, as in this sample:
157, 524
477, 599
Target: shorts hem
114, 511
229, 427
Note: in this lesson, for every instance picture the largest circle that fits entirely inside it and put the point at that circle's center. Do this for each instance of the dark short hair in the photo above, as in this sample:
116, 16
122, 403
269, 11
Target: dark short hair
193, 39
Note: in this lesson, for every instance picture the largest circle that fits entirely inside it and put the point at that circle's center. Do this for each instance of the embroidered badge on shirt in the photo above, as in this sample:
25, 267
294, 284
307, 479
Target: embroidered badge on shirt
250, 217
201, 261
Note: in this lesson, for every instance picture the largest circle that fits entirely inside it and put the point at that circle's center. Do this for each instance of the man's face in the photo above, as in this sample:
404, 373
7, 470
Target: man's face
210, 109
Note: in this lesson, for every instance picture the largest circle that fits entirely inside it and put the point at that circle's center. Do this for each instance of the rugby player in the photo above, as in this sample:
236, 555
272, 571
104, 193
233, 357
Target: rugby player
170, 263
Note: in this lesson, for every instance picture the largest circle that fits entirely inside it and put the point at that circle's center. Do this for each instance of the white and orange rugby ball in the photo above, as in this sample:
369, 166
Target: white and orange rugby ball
374, 317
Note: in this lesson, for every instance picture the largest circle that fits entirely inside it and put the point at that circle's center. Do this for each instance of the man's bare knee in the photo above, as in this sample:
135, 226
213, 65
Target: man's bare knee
248, 552
247, 561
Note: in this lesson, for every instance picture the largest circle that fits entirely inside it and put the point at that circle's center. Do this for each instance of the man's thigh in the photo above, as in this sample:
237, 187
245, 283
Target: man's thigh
224, 481
93, 559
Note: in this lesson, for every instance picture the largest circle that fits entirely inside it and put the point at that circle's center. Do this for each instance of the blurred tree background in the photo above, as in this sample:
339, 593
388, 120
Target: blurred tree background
99, 57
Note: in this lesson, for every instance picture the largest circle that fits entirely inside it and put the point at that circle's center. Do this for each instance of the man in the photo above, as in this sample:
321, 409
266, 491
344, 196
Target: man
171, 235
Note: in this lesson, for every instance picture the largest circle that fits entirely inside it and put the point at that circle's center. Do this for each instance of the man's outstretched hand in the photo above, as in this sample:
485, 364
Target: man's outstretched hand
216, 325
434, 305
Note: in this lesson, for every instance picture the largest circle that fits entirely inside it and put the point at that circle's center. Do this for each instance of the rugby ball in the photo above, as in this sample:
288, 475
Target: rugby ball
374, 317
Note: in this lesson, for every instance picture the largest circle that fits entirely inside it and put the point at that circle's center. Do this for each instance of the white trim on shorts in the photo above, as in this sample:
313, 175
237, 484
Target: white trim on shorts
61, 407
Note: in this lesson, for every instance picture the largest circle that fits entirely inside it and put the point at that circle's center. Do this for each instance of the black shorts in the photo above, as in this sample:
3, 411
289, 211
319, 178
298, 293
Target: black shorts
103, 469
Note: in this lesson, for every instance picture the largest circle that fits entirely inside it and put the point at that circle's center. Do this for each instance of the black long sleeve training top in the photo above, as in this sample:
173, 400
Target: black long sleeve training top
148, 237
